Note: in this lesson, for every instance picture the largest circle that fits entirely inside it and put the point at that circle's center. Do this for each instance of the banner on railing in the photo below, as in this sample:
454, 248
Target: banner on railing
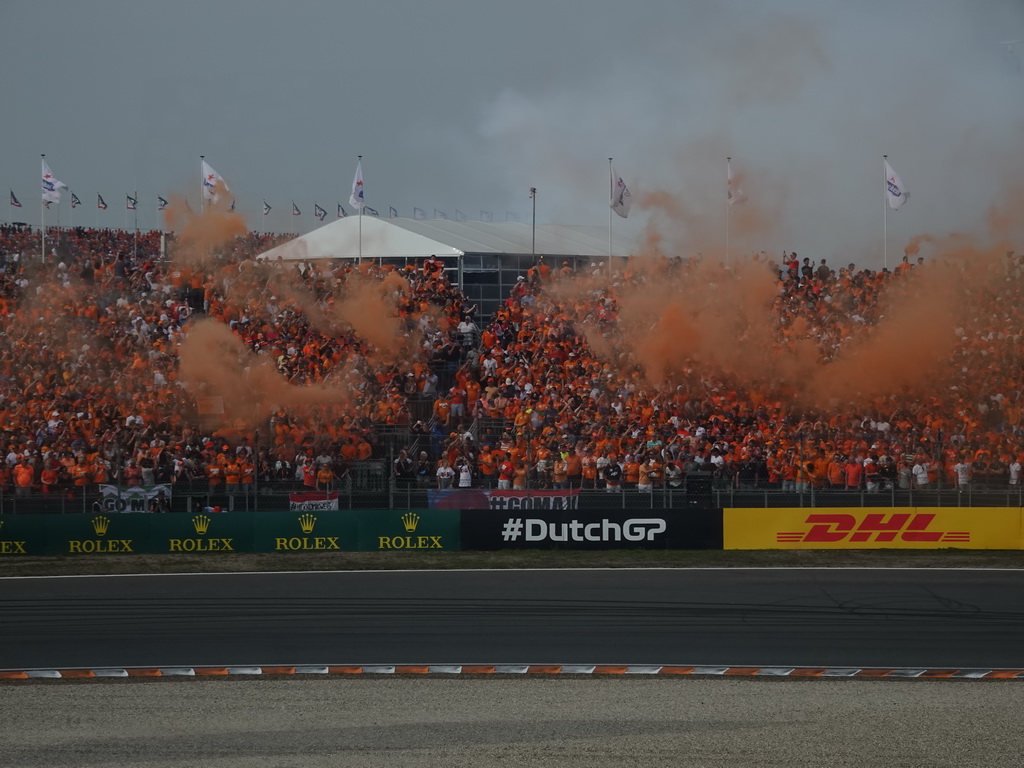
133, 498
313, 501
479, 498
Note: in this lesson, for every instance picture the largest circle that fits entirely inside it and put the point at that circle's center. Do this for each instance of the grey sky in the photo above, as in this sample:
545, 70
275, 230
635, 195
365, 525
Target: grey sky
461, 104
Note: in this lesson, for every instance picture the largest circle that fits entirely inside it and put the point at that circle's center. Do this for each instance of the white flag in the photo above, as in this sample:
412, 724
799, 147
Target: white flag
213, 184
894, 188
356, 199
621, 200
51, 186
732, 192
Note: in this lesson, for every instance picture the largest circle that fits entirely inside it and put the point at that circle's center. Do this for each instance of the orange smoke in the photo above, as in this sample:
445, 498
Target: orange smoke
215, 363
198, 234
370, 307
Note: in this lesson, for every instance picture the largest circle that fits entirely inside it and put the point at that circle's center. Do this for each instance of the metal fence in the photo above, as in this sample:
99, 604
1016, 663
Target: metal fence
370, 486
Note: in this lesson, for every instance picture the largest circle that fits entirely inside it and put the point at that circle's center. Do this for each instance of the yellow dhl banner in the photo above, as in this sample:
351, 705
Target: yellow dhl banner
873, 528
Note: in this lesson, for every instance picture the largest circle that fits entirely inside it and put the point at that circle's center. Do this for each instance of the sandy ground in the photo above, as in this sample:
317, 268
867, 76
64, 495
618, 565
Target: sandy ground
592, 722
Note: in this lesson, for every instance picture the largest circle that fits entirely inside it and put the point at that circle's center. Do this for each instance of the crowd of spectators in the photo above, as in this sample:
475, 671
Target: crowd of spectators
554, 413
90, 391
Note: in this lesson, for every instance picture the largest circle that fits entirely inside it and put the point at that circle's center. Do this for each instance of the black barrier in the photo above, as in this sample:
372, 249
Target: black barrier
699, 528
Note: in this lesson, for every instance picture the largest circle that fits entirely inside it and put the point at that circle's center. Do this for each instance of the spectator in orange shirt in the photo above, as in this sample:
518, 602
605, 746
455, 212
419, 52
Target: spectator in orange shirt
24, 474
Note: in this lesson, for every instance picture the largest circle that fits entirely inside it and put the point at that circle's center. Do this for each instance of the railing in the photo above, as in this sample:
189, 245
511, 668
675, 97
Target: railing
371, 486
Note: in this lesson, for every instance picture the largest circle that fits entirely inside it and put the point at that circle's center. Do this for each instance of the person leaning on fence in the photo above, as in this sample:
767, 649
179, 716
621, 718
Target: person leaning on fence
325, 478
404, 469
612, 474
465, 474
445, 474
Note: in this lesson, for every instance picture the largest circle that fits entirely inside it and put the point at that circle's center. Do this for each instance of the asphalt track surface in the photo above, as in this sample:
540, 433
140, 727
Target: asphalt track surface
757, 617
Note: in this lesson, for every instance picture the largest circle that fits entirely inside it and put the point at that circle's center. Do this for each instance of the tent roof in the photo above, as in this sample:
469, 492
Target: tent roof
420, 238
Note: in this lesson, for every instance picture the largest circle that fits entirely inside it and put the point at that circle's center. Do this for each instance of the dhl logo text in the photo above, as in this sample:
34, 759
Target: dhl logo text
874, 527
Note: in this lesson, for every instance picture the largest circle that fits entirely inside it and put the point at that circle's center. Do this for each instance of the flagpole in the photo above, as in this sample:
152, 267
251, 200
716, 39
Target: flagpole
885, 217
71, 214
202, 189
42, 220
728, 219
360, 167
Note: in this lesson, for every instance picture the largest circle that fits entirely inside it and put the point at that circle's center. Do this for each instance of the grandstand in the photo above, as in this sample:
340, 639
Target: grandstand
234, 382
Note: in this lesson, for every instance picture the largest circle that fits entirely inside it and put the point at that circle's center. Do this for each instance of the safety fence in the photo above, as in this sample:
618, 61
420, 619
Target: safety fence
373, 488
554, 526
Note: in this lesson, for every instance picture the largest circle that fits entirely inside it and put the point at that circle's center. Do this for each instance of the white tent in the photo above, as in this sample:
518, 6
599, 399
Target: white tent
420, 238
341, 240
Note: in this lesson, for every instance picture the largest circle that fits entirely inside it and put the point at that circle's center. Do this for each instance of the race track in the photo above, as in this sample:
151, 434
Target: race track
756, 617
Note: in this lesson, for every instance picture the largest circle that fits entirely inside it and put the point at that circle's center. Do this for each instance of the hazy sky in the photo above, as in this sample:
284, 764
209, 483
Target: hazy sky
465, 104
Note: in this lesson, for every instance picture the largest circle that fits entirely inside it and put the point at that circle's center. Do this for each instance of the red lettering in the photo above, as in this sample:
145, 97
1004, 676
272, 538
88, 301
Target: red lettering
821, 531
876, 523
916, 530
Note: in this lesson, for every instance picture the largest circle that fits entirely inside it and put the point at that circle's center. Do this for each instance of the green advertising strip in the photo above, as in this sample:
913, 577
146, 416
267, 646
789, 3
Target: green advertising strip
437, 529
97, 534
22, 535
201, 533
320, 531
228, 532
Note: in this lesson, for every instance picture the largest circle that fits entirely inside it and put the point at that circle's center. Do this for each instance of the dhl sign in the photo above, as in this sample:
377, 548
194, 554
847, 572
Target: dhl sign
859, 528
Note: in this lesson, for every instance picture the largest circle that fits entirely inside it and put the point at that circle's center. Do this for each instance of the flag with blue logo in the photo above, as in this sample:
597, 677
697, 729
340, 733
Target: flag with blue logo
357, 198
51, 186
895, 189
621, 200
213, 184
